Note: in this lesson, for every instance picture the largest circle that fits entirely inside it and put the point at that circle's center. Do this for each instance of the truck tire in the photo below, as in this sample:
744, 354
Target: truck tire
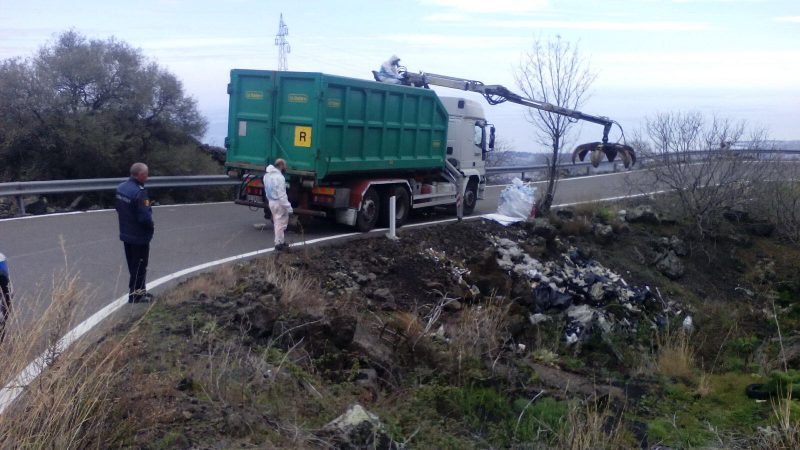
471, 196
402, 206
369, 212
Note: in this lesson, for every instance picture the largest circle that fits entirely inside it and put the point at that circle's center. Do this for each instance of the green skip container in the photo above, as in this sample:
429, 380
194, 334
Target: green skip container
327, 127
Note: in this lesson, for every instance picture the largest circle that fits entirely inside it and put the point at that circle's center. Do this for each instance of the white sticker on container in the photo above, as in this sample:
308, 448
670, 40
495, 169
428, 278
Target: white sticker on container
242, 128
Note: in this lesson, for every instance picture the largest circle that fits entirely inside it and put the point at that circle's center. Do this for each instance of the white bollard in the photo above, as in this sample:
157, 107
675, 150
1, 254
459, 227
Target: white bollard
392, 234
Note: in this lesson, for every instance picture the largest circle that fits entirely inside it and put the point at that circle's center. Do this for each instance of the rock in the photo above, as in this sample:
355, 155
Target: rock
765, 271
37, 207
454, 305
258, 318
642, 214
187, 415
235, 425
186, 384
597, 292
603, 233
383, 295
360, 278
541, 227
740, 239
342, 330
358, 428
670, 265
582, 314
368, 379
677, 245
763, 229
538, 318
565, 213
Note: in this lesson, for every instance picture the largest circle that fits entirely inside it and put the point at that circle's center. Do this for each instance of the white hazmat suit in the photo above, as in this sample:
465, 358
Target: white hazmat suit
389, 71
275, 189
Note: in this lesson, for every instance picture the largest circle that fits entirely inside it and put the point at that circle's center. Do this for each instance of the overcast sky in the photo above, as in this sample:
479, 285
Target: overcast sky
734, 58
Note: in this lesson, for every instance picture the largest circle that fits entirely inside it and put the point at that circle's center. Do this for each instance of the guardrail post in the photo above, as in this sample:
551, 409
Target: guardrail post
392, 234
21, 205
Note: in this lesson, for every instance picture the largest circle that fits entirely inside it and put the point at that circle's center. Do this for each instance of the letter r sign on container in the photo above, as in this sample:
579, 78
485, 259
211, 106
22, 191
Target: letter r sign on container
302, 136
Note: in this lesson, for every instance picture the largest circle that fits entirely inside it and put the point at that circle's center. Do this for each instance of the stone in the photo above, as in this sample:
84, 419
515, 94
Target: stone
454, 305
541, 227
383, 295
342, 330
642, 214
677, 245
603, 233
187, 415
358, 428
762, 229
565, 213
670, 265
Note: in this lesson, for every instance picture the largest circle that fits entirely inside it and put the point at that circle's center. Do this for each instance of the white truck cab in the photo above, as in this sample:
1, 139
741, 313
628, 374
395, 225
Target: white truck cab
469, 138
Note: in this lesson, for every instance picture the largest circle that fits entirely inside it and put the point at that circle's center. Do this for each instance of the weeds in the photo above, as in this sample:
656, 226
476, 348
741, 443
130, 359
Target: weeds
675, 357
66, 405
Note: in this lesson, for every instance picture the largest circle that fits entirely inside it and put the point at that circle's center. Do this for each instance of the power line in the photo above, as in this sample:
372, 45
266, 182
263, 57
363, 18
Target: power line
283, 45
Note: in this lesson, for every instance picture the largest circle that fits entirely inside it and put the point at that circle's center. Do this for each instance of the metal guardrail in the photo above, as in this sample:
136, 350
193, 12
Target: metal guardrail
642, 161
23, 188
20, 189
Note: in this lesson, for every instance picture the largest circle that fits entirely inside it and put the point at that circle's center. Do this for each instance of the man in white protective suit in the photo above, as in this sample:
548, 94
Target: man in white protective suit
390, 71
275, 190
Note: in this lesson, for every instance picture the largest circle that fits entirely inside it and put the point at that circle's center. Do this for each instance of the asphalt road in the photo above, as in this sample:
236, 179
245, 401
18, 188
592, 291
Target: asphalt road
186, 235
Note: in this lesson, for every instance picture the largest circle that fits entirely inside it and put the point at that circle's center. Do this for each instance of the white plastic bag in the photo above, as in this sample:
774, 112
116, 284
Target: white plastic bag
517, 200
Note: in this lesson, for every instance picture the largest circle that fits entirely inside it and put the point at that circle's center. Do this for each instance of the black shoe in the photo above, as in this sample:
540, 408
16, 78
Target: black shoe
281, 247
142, 298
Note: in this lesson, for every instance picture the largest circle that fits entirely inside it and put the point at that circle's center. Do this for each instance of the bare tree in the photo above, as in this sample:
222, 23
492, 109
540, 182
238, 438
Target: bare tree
707, 163
553, 71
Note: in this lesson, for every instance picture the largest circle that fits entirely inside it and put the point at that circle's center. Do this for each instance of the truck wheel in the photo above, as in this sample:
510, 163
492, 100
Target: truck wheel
402, 206
370, 209
470, 196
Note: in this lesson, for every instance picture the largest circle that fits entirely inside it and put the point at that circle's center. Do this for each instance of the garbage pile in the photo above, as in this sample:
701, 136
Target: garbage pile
591, 297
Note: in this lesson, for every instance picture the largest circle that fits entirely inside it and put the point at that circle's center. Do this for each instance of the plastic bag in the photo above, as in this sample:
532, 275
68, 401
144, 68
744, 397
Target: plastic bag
517, 200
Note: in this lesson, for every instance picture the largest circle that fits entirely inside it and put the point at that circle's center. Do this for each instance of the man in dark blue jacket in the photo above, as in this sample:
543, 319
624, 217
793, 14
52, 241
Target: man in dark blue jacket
136, 230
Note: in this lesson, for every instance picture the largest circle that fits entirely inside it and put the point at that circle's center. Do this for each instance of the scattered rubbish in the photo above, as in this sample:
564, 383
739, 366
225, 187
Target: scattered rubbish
590, 297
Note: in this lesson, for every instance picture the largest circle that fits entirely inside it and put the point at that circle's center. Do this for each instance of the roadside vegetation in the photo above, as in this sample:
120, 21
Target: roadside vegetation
88, 108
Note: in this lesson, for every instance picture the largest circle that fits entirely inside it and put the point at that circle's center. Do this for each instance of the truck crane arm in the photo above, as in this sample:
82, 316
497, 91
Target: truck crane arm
496, 94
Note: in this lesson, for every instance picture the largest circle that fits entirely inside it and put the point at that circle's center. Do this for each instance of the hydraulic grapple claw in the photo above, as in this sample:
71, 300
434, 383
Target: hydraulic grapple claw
610, 151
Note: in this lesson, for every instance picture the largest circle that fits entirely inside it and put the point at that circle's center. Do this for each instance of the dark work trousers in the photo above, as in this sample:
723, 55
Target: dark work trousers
137, 257
5, 305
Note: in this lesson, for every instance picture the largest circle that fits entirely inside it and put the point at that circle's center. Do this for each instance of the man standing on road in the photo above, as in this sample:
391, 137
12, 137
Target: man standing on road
136, 230
5, 296
275, 189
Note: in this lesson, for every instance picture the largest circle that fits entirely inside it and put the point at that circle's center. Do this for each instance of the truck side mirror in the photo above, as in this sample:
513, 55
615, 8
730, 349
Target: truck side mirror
491, 138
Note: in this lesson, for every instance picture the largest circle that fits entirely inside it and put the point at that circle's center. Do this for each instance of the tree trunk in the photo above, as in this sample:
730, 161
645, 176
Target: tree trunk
552, 172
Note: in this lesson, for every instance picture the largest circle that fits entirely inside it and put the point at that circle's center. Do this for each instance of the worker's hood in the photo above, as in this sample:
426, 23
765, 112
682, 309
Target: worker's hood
272, 169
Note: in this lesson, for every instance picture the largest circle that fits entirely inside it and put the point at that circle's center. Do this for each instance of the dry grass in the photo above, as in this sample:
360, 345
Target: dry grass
211, 284
65, 407
590, 426
480, 331
675, 357
785, 434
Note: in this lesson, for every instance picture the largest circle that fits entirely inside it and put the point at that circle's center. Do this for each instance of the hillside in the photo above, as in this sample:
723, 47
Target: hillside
598, 328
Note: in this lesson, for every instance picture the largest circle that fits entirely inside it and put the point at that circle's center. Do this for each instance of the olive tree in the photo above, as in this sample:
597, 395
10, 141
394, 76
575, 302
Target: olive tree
553, 71
84, 108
